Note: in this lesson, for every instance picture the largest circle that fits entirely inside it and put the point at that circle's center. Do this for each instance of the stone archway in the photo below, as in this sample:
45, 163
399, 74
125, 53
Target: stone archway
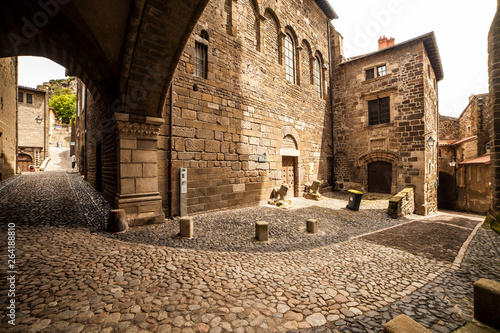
384, 156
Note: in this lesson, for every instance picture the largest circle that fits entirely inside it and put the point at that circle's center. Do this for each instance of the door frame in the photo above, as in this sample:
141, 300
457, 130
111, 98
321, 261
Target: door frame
295, 160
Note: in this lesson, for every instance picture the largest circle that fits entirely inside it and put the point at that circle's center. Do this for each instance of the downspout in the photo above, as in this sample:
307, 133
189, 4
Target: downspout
170, 150
331, 100
85, 150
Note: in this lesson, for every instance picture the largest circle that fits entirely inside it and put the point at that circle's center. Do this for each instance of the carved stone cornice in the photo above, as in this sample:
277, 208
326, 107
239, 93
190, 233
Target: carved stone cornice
141, 130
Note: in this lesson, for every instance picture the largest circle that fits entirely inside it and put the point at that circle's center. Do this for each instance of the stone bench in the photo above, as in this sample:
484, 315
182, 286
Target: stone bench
404, 324
487, 302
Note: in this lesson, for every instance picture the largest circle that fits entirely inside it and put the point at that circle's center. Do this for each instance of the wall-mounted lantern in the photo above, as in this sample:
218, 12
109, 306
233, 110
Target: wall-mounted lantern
38, 119
453, 163
431, 141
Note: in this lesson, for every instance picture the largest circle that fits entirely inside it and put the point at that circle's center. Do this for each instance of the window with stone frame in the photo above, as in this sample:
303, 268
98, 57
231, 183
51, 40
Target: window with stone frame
379, 111
317, 77
289, 58
370, 74
29, 98
381, 71
20, 97
201, 56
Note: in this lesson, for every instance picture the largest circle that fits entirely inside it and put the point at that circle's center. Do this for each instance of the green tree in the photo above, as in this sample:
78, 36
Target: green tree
64, 105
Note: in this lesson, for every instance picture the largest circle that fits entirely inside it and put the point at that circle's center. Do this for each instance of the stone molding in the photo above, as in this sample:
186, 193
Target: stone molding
381, 155
128, 129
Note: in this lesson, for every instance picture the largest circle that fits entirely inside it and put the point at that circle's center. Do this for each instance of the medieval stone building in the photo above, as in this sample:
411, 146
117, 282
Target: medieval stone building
8, 117
33, 128
386, 119
464, 158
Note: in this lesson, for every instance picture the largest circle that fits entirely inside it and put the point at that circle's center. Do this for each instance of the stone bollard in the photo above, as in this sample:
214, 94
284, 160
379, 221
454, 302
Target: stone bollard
262, 231
186, 227
117, 220
312, 226
404, 324
487, 302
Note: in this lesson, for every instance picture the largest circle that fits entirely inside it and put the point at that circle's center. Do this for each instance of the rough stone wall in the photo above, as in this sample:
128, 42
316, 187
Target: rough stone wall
100, 128
403, 203
494, 106
474, 193
50, 87
412, 94
448, 128
246, 106
8, 108
31, 135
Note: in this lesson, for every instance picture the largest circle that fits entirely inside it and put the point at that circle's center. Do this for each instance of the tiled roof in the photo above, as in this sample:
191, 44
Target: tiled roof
32, 89
327, 9
446, 142
478, 160
465, 140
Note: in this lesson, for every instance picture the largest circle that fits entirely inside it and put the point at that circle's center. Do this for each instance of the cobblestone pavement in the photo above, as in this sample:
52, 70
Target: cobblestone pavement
71, 277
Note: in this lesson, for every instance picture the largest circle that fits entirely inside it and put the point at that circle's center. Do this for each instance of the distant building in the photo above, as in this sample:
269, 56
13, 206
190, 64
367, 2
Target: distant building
386, 118
464, 158
33, 128
8, 109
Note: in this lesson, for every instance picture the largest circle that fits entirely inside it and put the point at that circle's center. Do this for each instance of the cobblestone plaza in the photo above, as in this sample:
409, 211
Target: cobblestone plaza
72, 276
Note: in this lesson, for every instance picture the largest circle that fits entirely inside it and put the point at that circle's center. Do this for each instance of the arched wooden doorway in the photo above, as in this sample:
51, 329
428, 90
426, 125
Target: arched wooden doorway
23, 162
379, 177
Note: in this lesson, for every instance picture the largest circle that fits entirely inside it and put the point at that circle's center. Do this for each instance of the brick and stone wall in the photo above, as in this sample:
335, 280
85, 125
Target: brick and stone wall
232, 129
448, 128
33, 136
8, 107
410, 84
403, 203
474, 194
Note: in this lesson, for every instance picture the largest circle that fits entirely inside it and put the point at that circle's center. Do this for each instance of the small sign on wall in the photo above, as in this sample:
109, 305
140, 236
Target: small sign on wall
262, 158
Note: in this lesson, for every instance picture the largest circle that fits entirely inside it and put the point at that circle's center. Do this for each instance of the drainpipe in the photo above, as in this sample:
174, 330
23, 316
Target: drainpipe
331, 99
17, 118
170, 149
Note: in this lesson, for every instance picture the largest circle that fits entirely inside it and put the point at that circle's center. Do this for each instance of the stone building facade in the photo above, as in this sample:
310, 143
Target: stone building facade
33, 127
385, 114
464, 158
8, 117
251, 106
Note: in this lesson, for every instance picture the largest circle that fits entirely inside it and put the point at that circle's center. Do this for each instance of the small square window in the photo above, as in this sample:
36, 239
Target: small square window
29, 98
381, 71
20, 97
370, 74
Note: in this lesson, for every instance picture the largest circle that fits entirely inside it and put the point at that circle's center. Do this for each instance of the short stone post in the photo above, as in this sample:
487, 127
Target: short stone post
404, 324
262, 231
312, 226
117, 220
186, 227
487, 302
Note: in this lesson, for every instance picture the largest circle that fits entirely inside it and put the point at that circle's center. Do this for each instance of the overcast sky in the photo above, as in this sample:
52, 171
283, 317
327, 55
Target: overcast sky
461, 29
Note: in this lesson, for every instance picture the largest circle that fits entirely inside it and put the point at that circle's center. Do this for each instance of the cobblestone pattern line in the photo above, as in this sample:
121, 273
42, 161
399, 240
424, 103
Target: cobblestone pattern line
72, 280
10, 184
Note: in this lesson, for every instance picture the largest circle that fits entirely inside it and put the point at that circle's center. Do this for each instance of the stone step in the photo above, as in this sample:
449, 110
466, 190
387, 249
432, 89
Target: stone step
474, 327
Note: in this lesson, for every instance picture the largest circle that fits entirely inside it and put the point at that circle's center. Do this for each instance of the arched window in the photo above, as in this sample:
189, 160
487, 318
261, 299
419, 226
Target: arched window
201, 56
317, 77
289, 58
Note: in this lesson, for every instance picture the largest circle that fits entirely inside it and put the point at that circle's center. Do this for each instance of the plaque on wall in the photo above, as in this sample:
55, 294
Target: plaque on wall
378, 144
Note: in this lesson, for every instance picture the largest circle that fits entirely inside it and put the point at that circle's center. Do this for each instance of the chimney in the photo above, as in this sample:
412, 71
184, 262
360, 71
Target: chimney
384, 42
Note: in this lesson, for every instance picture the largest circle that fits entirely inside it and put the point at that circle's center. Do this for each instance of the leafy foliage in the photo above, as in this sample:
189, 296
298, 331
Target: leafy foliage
64, 103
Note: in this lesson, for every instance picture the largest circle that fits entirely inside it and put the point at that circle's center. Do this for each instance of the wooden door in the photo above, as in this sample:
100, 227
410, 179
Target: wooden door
24, 161
379, 177
288, 174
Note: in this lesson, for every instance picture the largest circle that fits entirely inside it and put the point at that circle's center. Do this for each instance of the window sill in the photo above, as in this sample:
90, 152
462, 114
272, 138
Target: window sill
371, 127
376, 79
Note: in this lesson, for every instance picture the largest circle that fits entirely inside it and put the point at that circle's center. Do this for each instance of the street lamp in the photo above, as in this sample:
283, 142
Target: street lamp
431, 141
453, 163
38, 119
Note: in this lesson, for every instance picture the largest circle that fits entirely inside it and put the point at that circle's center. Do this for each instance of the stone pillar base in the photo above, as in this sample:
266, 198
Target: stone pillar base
141, 208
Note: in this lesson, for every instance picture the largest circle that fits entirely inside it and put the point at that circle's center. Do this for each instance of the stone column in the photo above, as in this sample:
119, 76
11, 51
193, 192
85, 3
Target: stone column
494, 83
138, 169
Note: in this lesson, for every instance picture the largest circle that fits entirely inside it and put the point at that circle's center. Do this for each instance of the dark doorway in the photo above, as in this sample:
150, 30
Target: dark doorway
447, 191
379, 177
98, 166
288, 173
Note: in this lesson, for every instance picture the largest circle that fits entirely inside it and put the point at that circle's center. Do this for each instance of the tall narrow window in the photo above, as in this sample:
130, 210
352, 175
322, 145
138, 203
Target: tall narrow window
289, 59
29, 98
317, 77
381, 70
20, 97
370, 74
379, 111
200, 60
